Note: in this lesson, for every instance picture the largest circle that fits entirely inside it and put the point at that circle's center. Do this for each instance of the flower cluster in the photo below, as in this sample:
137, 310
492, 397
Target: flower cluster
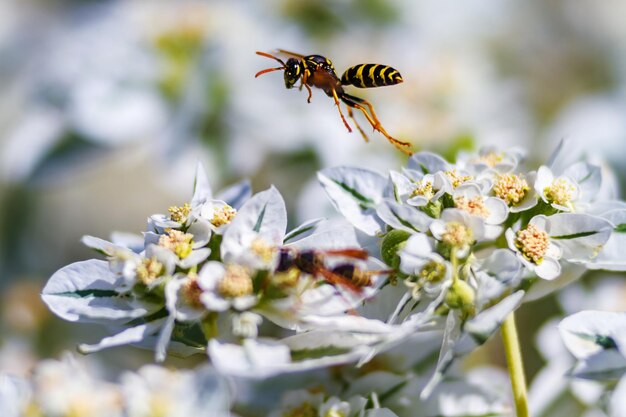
471, 239
212, 270
437, 248
68, 388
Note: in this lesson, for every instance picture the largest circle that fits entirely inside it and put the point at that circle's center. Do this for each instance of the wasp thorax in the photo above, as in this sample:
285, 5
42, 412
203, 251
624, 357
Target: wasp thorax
533, 243
236, 282
293, 72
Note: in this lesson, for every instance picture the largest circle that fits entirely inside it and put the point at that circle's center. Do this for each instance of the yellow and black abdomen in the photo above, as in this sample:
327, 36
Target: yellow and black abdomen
371, 75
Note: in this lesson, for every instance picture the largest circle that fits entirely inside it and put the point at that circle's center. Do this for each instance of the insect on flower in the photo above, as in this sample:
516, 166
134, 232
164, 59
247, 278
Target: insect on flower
313, 262
318, 71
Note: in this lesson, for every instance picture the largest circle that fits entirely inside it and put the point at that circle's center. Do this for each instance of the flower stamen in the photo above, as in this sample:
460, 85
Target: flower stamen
178, 242
457, 235
560, 192
149, 270
511, 188
179, 214
532, 243
236, 282
474, 206
223, 215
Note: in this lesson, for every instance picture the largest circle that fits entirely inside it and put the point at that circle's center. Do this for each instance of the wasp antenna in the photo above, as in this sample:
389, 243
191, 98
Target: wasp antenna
266, 55
265, 71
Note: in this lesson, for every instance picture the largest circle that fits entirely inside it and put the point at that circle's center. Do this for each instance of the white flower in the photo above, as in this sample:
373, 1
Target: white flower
490, 158
155, 390
431, 271
226, 286
494, 211
597, 339
66, 388
535, 249
458, 229
559, 192
253, 235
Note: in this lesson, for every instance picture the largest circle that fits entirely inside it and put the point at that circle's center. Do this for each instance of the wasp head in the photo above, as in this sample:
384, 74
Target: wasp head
293, 72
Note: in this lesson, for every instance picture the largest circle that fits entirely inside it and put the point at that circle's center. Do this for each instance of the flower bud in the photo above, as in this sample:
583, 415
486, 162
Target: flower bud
392, 243
461, 296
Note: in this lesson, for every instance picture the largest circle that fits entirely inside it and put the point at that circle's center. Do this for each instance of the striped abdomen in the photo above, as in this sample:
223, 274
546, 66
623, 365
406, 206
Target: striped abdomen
370, 75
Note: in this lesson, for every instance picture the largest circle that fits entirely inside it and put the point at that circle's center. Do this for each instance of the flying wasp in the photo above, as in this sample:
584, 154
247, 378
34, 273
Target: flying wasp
313, 262
318, 71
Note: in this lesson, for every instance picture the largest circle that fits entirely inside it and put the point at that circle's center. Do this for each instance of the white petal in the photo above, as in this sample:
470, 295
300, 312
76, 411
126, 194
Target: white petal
583, 333
202, 188
549, 268
125, 337
264, 215
403, 217
428, 163
236, 194
87, 291
196, 257
498, 210
245, 302
355, 193
617, 405
214, 302
581, 236
210, 275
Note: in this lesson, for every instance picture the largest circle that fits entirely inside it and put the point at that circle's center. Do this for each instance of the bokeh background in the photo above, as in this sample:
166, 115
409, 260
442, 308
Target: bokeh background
106, 106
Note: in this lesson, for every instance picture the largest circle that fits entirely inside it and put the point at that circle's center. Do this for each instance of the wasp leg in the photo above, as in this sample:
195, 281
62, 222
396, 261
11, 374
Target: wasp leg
358, 103
308, 100
351, 115
336, 98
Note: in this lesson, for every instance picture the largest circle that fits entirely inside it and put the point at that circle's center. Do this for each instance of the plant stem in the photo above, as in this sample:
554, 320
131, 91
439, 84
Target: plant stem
515, 365
209, 326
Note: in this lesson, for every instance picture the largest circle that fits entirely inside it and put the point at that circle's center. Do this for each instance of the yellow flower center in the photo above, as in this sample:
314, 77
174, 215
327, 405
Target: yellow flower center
262, 249
178, 242
533, 243
474, 206
457, 179
457, 235
179, 214
491, 159
560, 192
149, 270
433, 271
302, 410
223, 215
511, 188
424, 189
236, 282
191, 291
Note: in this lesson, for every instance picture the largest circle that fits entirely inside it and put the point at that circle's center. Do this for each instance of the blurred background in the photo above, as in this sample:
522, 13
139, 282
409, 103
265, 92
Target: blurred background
106, 106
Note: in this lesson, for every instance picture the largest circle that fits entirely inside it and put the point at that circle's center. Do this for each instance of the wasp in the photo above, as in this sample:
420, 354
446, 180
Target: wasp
318, 71
313, 262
